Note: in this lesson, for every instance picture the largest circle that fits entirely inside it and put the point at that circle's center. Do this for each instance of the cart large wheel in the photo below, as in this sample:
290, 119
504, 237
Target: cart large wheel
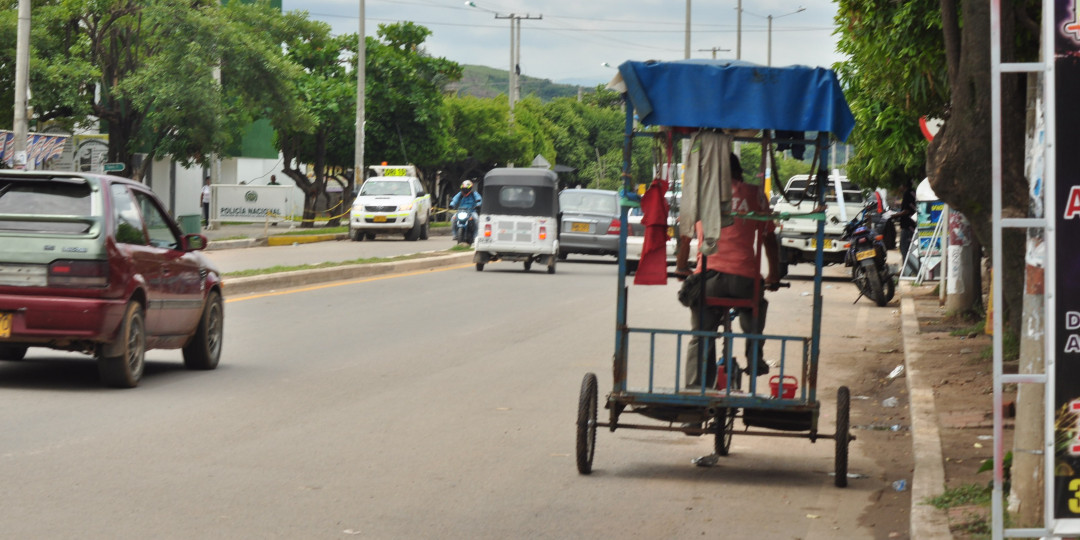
724, 424
586, 424
843, 435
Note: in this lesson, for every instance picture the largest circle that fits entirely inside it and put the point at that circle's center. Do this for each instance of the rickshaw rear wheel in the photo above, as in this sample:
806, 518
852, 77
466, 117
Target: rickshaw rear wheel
724, 424
479, 267
843, 434
528, 264
586, 424
551, 266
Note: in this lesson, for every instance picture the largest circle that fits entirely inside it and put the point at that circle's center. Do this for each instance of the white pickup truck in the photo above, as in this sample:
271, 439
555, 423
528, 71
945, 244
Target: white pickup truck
797, 236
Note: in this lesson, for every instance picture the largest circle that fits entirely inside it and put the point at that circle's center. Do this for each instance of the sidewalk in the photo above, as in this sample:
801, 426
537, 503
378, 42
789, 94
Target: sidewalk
951, 410
928, 481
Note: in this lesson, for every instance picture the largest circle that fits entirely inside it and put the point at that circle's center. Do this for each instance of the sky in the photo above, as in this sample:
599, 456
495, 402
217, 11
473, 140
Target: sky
569, 41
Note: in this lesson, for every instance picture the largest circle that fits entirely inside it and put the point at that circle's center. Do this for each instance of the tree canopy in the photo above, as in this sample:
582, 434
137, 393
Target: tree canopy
163, 77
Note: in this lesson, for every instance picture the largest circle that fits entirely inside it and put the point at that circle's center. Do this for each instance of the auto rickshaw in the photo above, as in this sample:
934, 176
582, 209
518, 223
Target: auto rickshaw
519, 218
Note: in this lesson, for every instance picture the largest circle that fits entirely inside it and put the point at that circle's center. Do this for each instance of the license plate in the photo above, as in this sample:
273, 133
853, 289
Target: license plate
828, 243
577, 226
863, 255
379, 219
5, 324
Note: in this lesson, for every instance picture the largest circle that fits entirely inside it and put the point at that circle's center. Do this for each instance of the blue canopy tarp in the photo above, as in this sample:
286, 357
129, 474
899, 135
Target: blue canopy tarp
732, 94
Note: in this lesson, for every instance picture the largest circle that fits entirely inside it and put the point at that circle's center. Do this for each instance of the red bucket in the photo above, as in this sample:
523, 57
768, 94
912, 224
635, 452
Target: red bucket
721, 378
790, 385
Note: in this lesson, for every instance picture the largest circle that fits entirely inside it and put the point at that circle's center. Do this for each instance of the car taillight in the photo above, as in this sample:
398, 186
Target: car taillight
487, 231
614, 227
543, 232
79, 274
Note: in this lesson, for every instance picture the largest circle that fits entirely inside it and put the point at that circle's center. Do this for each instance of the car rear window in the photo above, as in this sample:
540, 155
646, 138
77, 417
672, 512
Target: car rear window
599, 203
518, 200
45, 198
384, 187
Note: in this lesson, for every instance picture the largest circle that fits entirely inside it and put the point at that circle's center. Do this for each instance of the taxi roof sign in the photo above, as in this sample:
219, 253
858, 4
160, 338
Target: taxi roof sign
394, 170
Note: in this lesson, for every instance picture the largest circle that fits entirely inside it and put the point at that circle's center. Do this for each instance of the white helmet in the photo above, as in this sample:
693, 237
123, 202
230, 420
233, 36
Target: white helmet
466, 184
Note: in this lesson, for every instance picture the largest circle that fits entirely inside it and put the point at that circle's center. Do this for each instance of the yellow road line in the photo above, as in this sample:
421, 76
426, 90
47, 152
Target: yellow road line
342, 283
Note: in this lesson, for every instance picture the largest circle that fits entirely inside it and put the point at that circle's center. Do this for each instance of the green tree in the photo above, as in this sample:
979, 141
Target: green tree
479, 140
405, 114
327, 90
895, 74
146, 71
901, 68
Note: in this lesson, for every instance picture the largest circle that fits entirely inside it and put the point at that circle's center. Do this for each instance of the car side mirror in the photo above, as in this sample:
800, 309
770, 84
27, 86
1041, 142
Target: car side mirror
194, 242
420, 193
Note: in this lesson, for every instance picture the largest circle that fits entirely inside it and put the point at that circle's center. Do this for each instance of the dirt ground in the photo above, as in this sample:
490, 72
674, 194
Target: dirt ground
962, 369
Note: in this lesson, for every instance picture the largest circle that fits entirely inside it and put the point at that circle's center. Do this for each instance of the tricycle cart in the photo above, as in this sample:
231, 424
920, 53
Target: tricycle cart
795, 106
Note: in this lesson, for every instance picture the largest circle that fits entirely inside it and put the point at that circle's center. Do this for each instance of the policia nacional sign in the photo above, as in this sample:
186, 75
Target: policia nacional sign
1067, 220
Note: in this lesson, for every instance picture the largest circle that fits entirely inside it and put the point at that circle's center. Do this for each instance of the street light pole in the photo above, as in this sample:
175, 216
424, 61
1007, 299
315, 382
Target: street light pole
361, 91
22, 79
769, 48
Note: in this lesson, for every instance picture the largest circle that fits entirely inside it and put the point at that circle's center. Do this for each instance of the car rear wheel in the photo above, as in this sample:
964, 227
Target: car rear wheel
12, 352
204, 349
125, 369
424, 230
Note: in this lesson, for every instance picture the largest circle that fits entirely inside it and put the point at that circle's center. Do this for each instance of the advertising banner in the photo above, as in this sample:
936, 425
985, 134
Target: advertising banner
1066, 346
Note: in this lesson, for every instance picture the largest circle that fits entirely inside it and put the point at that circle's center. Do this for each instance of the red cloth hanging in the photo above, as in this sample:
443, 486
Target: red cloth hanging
652, 267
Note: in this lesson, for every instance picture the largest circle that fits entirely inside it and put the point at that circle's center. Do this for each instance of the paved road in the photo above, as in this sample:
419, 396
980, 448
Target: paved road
435, 405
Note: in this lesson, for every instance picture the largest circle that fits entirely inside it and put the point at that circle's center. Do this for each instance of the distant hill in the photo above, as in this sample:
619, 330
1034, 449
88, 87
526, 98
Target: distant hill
483, 81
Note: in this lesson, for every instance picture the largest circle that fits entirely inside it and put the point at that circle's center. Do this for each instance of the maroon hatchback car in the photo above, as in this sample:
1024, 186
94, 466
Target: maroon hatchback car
94, 263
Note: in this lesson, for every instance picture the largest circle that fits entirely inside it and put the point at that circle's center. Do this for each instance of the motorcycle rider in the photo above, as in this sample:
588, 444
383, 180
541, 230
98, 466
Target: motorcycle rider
468, 200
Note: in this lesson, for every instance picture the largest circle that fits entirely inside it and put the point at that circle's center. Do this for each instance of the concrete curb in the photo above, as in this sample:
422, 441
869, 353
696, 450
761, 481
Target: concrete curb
927, 522
282, 280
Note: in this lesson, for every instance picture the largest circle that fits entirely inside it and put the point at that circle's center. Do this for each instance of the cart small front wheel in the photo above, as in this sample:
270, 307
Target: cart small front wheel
724, 424
843, 434
586, 424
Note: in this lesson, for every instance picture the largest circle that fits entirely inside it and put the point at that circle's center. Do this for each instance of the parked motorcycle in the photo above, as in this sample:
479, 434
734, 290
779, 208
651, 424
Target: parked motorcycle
464, 227
866, 256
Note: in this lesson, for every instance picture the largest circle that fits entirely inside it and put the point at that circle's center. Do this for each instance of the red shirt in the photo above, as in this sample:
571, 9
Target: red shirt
736, 253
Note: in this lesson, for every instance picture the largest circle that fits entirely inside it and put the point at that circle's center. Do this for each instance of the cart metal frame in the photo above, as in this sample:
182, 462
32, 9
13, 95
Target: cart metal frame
715, 410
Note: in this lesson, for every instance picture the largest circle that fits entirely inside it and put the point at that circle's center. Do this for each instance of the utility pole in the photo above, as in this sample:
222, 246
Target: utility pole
22, 84
687, 46
714, 49
361, 90
738, 31
515, 52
